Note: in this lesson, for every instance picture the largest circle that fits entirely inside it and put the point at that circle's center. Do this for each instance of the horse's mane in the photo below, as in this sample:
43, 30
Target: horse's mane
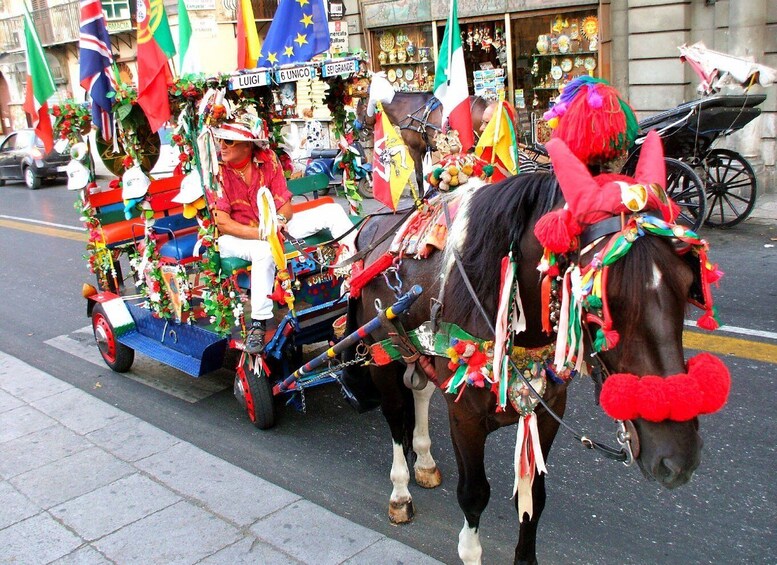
499, 215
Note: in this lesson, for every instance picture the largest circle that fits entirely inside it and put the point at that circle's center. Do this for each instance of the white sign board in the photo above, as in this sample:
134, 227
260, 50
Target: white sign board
334, 68
249, 80
204, 27
295, 73
338, 37
200, 4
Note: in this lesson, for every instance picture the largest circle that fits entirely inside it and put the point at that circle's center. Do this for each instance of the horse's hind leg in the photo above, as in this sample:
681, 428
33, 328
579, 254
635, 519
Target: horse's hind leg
427, 475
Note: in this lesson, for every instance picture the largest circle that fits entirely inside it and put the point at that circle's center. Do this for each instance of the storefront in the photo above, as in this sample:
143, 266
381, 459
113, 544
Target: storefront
523, 51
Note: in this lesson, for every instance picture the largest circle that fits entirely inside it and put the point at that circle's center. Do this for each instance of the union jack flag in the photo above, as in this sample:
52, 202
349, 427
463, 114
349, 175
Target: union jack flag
96, 65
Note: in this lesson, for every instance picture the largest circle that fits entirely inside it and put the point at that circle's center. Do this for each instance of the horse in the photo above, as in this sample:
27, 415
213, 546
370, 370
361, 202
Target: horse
492, 221
419, 117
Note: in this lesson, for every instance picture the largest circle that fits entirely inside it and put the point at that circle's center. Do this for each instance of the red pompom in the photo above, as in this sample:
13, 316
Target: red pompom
654, 403
713, 379
611, 338
685, 395
556, 231
619, 396
708, 321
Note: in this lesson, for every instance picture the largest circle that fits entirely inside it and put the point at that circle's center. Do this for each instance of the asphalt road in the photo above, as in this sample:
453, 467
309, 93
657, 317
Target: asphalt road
597, 512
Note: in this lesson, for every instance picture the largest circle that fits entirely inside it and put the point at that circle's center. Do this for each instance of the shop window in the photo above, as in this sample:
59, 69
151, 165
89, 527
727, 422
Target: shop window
485, 57
405, 54
549, 51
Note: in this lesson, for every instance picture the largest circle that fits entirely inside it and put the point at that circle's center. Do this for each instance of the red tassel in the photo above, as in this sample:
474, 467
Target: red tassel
708, 321
611, 337
546, 325
555, 231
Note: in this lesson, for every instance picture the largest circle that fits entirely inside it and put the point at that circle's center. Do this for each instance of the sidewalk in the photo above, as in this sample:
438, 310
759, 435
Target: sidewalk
84, 482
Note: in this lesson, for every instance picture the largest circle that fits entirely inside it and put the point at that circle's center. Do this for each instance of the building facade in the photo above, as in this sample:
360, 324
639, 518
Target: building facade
522, 50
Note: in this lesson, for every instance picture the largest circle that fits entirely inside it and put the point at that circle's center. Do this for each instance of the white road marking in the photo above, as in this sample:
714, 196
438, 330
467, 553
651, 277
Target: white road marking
145, 370
41, 222
739, 331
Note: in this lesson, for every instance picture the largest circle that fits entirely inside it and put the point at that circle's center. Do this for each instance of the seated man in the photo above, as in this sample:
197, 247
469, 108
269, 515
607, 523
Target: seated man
248, 166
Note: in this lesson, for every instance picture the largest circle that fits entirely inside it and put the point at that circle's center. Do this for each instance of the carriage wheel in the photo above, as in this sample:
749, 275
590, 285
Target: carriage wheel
731, 188
116, 355
254, 392
686, 189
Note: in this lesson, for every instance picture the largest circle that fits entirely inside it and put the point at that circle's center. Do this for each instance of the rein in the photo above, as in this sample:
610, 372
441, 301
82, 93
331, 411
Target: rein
623, 454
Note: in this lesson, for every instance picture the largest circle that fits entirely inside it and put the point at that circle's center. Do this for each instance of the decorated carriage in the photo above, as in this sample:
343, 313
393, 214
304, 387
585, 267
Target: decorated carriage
180, 302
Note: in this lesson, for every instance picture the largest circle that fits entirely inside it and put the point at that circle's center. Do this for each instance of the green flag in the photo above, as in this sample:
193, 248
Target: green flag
187, 58
40, 83
162, 34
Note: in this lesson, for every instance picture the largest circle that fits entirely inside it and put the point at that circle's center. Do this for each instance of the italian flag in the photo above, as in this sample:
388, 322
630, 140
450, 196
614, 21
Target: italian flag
450, 82
187, 56
40, 84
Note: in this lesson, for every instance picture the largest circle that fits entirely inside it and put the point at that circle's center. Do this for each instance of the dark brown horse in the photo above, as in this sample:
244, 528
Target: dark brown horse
418, 115
490, 222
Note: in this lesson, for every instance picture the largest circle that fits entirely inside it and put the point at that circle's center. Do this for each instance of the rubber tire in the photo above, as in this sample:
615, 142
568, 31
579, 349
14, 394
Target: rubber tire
719, 187
116, 355
31, 180
263, 402
690, 197
364, 187
2, 182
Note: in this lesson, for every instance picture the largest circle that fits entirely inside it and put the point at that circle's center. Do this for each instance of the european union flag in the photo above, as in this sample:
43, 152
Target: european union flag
298, 32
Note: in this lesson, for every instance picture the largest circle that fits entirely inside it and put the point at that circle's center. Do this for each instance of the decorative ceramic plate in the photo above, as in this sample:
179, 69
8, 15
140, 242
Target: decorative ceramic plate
566, 64
392, 75
409, 74
563, 43
555, 72
387, 41
590, 63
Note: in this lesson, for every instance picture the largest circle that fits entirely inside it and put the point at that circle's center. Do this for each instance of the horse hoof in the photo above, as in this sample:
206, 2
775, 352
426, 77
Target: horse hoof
401, 512
428, 478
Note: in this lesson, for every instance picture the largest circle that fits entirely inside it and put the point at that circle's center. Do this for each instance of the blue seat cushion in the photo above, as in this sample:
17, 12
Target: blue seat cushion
179, 248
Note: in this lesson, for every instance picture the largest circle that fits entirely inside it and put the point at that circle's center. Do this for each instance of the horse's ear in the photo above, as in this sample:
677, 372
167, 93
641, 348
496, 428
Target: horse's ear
651, 168
573, 176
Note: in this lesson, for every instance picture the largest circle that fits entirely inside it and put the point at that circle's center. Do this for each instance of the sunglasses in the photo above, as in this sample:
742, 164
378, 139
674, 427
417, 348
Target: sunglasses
228, 142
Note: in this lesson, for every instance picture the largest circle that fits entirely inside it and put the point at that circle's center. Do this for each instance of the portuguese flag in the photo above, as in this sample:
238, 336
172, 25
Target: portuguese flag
40, 84
450, 82
155, 47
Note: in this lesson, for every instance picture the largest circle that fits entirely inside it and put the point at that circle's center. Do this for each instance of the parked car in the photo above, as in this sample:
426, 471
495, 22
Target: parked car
22, 157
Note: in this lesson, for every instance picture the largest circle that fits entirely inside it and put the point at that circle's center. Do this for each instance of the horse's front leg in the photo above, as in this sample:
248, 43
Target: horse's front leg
526, 550
397, 410
427, 475
468, 433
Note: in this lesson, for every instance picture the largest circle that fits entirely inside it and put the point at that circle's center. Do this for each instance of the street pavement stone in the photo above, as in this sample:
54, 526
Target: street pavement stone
71, 476
182, 533
132, 441
94, 415
27, 383
85, 555
250, 551
8, 402
38, 539
106, 509
313, 534
39, 448
14, 506
94, 485
224, 489
22, 421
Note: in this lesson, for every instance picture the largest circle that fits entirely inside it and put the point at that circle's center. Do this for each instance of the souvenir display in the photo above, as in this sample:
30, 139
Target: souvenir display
563, 43
392, 75
590, 63
566, 64
382, 57
409, 74
590, 27
543, 44
387, 41
555, 72
393, 56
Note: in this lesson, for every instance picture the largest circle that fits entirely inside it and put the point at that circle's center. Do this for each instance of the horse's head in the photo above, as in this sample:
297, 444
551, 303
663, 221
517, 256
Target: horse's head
633, 276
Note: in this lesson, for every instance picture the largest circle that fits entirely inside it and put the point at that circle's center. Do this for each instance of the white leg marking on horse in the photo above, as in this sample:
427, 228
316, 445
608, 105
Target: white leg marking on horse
426, 473
400, 476
655, 282
470, 549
